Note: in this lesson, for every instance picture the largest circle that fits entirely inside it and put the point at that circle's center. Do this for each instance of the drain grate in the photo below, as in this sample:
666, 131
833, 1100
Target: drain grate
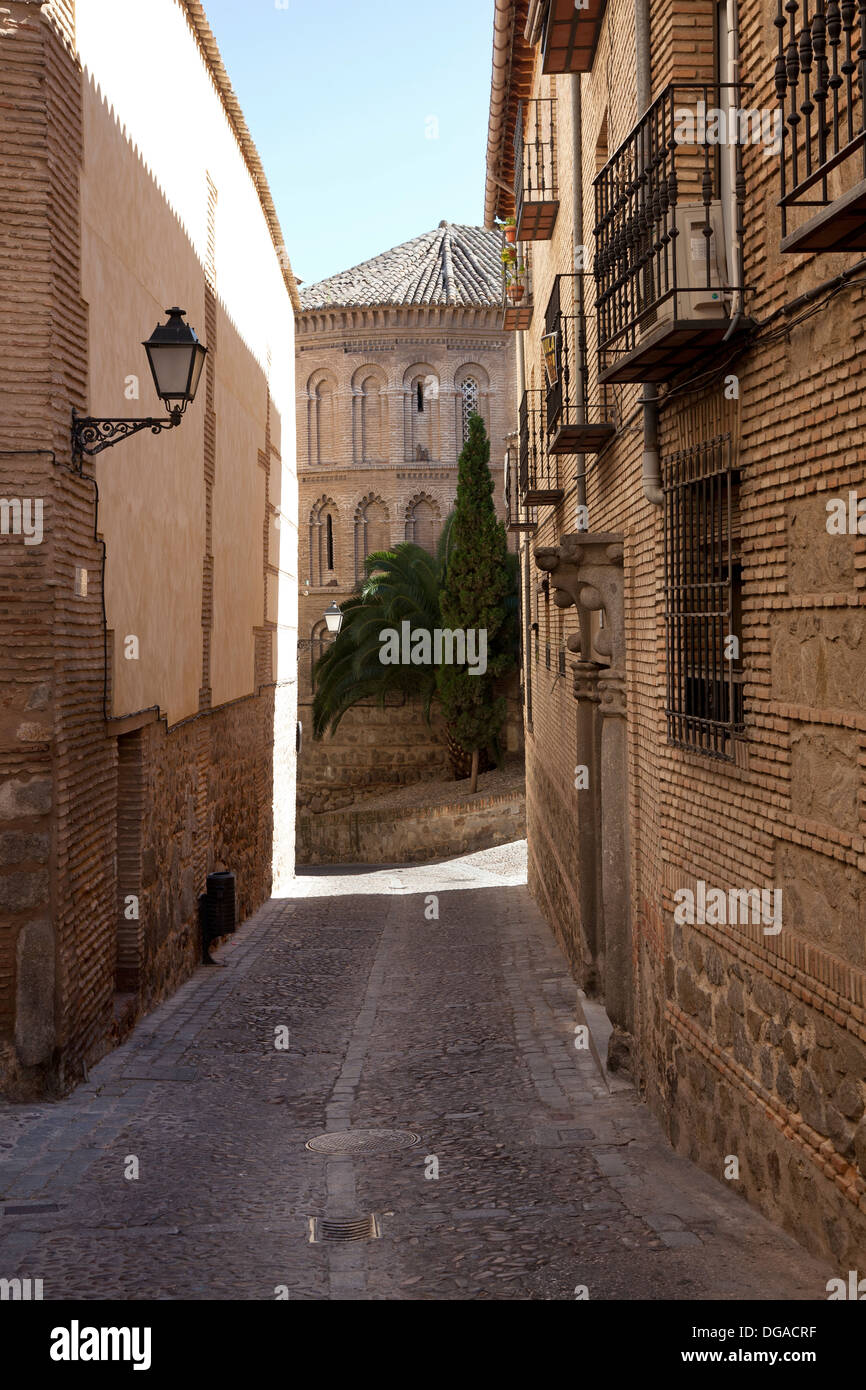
29, 1208
326, 1228
363, 1141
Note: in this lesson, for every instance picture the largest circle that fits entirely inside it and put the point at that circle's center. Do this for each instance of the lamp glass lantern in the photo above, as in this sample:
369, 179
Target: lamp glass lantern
334, 618
176, 360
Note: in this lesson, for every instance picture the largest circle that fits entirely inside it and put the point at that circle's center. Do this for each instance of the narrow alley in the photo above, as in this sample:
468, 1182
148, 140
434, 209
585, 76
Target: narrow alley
459, 1030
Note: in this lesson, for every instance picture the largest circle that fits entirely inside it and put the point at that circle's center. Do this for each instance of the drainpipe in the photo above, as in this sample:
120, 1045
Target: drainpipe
651, 466
733, 76
503, 27
577, 223
534, 24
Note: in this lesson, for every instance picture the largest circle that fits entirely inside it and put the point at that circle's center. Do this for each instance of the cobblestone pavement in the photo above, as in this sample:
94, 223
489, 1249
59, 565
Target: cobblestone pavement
460, 1029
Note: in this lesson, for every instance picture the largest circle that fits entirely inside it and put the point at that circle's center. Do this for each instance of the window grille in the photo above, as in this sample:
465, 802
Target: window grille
703, 599
469, 390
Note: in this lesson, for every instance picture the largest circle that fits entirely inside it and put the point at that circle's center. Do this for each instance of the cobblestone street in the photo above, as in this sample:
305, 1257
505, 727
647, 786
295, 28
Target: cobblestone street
460, 1029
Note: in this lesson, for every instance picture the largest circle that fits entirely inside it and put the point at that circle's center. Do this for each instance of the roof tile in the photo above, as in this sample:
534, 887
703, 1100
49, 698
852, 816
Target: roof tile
450, 265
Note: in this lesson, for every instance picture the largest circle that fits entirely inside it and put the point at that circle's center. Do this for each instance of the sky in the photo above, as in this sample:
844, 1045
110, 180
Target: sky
370, 117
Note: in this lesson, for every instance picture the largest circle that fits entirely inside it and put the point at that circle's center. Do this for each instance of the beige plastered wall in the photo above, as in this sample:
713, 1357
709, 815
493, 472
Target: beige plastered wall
148, 243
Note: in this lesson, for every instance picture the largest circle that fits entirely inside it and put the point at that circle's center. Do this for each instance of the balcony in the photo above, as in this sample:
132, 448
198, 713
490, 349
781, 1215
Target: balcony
570, 35
517, 303
820, 86
668, 262
538, 469
518, 516
576, 424
536, 200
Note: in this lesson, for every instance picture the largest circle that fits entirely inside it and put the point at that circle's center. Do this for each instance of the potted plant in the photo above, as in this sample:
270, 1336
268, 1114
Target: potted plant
515, 288
508, 256
509, 227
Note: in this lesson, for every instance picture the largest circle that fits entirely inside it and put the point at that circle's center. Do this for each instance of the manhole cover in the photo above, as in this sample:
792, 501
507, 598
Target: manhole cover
323, 1228
363, 1141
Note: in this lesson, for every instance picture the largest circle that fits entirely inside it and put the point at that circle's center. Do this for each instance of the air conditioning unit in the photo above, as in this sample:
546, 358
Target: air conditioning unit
694, 299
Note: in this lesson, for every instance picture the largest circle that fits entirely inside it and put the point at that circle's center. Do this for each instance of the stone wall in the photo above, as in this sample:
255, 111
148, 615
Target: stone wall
415, 835
373, 750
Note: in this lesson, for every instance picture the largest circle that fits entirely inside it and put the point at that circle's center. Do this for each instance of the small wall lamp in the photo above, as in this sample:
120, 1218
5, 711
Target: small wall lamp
176, 359
334, 618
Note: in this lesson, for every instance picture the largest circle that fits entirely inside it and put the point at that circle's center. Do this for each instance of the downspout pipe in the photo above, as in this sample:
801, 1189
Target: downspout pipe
732, 75
503, 29
651, 465
577, 223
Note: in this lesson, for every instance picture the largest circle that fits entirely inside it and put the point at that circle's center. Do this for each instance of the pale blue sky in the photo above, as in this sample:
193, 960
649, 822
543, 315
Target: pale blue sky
337, 96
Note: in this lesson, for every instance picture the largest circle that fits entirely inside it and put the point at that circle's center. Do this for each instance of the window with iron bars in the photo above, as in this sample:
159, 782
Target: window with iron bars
703, 599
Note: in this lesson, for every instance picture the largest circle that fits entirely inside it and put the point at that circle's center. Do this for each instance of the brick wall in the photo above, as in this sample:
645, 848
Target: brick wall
101, 818
746, 1044
372, 751
415, 835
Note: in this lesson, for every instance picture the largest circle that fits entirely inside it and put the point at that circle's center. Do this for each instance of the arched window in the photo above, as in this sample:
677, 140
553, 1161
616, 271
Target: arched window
321, 437
423, 523
320, 640
369, 405
323, 550
469, 392
372, 531
421, 413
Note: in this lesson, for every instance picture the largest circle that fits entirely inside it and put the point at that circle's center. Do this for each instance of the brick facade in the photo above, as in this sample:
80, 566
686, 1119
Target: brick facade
107, 809
746, 1044
373, 475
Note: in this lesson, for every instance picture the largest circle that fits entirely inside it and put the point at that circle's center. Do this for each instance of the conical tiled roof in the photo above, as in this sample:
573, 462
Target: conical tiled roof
450, 265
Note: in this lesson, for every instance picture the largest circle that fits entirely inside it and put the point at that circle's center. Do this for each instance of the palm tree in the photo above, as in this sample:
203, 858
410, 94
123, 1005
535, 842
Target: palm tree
399, 585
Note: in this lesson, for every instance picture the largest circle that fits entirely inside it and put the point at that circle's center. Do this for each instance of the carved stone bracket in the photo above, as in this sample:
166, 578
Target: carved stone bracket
586, 571
611, 693
586, 681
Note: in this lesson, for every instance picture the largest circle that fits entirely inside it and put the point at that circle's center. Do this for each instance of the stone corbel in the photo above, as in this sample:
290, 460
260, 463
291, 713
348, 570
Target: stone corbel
586, 572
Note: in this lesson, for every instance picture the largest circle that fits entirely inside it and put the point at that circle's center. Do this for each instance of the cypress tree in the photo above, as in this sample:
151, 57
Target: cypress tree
474, 596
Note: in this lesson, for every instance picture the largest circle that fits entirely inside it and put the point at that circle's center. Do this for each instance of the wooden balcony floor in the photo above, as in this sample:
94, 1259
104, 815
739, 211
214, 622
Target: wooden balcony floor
669, 349
839, 227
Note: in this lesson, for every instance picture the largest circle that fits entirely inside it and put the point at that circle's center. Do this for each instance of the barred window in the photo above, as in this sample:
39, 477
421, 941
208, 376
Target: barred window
469, 389
703, 588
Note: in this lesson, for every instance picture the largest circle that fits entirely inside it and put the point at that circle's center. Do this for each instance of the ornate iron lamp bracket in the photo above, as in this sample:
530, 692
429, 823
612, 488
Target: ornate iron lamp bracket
91, 435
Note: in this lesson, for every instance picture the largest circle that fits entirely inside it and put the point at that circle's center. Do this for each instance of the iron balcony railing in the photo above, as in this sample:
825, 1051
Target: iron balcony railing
821, 87
577, 422
518, 516
536, 198
538, 468
666, 254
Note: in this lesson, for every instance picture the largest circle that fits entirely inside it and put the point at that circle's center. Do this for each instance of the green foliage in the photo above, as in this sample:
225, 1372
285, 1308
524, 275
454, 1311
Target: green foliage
399, 584
472, 582
479, 592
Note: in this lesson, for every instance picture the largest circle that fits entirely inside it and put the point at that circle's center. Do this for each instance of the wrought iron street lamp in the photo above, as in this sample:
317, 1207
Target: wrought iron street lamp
176, 359
334, 618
